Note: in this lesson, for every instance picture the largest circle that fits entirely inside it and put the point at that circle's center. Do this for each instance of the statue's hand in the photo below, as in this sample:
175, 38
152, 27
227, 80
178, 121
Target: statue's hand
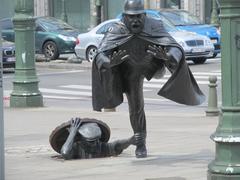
75, 124
157, 52
118, 57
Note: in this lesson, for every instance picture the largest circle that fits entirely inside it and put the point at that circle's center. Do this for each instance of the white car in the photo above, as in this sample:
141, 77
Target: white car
197, 47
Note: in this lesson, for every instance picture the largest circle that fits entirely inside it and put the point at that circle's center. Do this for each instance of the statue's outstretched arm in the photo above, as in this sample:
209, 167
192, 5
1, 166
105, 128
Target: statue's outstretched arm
67, 148
120, 145
171, 56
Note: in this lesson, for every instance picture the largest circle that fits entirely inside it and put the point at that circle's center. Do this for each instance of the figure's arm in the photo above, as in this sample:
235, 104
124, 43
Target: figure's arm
119, 145
102, 61
67, 148
170, 55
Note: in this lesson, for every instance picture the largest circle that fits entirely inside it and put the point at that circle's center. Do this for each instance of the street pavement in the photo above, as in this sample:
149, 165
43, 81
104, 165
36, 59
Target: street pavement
179, 147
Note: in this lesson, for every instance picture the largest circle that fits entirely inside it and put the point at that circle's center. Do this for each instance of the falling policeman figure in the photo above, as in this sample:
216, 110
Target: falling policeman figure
135, 48
90, 145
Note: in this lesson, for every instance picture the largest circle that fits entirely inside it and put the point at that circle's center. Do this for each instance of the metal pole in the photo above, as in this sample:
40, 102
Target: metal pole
93, 14
163, 4
99, 11
2, 159
225, 166
25, 85
214, 14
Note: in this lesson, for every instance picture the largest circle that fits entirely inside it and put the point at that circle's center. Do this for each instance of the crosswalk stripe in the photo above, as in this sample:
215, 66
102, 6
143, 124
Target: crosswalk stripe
65, 97
162, 81
58, 91
86, 87
76, 92
149, 85
200, 75
207, 73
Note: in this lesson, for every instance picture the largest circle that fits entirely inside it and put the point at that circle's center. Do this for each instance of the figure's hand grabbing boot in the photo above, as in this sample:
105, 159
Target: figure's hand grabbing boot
140, 142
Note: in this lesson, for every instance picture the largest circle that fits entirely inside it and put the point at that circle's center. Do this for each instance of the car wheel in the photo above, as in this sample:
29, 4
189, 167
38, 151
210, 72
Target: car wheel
91, 53
199, 60
50, 50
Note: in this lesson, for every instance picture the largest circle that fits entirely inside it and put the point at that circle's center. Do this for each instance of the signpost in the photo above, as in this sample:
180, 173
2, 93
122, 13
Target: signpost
2, 169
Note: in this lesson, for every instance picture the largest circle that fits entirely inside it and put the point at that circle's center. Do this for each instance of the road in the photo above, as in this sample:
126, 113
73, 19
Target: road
61, 87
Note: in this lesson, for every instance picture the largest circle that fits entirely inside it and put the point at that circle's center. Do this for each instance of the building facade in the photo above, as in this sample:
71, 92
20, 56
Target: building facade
82, 13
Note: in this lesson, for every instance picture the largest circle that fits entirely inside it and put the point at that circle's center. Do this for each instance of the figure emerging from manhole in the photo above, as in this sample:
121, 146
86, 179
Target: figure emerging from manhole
135, 48
86, 138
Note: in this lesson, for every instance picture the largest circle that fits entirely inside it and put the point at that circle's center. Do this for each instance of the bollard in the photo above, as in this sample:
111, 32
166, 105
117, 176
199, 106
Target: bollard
212, 109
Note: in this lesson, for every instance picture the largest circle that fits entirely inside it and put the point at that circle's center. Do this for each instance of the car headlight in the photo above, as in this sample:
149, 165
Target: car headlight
67, 38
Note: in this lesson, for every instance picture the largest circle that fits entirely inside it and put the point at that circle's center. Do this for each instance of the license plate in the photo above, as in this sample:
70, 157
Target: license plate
11, 59
214, 41
198, 50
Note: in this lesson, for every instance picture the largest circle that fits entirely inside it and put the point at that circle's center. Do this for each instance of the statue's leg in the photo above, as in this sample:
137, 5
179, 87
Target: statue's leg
134, 92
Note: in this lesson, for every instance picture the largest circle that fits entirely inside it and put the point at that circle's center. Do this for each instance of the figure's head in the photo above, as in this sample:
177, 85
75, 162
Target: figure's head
90, 135
134, 15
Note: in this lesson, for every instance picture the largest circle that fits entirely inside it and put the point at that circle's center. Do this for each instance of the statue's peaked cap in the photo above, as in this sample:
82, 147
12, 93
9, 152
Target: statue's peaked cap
90, 131
133, 7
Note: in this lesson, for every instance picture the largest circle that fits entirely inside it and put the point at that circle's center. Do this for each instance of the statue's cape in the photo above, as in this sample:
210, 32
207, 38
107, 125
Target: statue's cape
181, 87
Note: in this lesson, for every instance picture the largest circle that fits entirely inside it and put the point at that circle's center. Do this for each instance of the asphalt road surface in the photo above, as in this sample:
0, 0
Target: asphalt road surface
61, 87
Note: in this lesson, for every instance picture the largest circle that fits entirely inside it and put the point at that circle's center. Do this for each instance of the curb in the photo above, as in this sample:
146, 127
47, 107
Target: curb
64, 64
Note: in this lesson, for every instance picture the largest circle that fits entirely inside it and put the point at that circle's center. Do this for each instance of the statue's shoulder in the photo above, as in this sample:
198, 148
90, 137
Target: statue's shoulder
118, 27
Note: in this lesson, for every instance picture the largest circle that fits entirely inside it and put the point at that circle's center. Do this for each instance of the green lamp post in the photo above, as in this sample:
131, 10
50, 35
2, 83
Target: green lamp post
64, 12
214, 14
226, 165
2, 159
25, 85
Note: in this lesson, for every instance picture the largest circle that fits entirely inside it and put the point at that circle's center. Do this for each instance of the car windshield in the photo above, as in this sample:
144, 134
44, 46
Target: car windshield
167, 24
52, 24
179, 18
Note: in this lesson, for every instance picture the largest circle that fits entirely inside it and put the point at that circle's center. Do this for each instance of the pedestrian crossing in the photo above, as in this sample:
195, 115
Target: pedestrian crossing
84, 91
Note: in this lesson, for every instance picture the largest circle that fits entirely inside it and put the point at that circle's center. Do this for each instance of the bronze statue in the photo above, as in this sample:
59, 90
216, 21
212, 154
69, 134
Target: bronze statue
135, 48
86, 138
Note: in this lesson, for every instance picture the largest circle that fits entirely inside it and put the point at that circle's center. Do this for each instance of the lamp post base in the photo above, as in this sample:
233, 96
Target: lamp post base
26, 101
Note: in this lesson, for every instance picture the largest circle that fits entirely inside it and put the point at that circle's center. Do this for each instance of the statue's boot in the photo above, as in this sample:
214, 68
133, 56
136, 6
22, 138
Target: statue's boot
141, 150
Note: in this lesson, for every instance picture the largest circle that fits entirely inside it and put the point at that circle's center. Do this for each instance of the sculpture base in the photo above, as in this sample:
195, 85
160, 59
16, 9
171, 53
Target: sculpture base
26, 101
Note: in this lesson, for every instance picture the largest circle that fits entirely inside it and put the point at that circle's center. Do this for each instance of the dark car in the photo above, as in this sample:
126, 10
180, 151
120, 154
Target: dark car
8, 54
52, 36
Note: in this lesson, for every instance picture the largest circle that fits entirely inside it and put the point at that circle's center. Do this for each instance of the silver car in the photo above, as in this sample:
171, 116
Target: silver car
197, 47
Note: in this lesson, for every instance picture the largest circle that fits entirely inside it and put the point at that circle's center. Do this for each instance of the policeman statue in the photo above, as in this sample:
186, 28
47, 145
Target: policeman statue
135, 48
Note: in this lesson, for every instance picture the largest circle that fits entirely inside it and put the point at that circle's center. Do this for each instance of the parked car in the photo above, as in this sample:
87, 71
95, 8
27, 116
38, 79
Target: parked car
52, 36
183, 20
197, 47
8, 54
